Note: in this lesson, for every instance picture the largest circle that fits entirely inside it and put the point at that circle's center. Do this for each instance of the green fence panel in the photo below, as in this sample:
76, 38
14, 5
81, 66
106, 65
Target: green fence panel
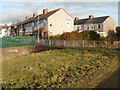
17, 41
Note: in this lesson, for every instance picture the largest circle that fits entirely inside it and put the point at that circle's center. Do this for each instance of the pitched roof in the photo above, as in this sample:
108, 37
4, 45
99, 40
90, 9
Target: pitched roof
91, 21
41, 16
1, 27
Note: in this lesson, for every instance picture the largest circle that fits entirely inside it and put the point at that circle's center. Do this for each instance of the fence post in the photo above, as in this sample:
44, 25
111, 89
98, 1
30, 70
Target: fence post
49, 42
41, 42
64, 43
72, 44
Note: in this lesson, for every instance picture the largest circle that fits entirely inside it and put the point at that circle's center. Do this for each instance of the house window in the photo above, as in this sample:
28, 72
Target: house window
51, 25
77, 28
67, 22
36, 23
28, 24
25, 25
5, 32
20, 26
98, 26
0, 31
44, 20
94, 28
32, 28
91, 27
32, 23
44, 23
81, 27
85, 27
88, 27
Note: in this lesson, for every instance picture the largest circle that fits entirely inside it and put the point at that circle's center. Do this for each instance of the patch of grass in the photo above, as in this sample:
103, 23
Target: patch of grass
76, 68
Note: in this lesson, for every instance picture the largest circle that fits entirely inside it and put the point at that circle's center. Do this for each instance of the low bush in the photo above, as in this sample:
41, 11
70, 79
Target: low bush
75, 35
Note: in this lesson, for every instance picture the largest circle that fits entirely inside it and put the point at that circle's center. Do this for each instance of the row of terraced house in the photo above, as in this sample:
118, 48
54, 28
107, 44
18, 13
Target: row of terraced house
59, 21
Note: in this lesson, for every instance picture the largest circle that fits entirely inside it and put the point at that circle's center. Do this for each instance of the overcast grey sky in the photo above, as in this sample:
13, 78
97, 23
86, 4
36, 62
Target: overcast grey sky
11, 11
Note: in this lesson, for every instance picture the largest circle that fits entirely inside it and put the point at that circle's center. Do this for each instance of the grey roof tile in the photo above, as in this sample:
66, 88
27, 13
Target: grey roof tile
91, 21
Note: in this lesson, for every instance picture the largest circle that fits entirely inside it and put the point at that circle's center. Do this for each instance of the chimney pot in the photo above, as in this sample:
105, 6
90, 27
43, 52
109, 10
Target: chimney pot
45, 11
76, 18
18, 20
27, 17
91, 16
13, 23
34, 14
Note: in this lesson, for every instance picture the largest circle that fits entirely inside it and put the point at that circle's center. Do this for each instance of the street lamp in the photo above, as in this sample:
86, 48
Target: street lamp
37, 11
38, 30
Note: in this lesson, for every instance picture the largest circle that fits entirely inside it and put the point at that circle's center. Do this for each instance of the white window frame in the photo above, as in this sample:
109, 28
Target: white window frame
68, 22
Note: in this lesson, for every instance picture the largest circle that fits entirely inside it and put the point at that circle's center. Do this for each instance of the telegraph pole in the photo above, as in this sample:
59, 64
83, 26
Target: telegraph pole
38, 30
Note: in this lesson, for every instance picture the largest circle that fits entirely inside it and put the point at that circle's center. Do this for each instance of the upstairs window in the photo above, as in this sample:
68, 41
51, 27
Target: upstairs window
32, 23
24, 25
67, 22
81, 27
0, 31
36, 23
87, 27
91, 27
98, 26
44, 20
77, 28
51, 25
94, 27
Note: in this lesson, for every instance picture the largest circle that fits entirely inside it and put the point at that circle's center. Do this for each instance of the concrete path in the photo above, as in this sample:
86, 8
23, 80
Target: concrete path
112, 82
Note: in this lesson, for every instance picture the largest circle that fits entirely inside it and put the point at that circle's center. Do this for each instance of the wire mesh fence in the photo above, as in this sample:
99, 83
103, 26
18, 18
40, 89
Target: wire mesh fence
31, 40
17, 41
77, 43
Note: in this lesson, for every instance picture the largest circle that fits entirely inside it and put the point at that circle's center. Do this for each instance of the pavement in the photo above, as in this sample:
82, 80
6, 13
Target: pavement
112, 82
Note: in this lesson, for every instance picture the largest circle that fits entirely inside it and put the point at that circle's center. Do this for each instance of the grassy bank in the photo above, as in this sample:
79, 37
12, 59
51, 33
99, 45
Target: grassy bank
81, 68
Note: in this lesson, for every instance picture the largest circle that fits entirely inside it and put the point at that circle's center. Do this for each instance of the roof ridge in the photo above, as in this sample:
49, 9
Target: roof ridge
40, 15
102, 16
95, 17
93, 20
54, 10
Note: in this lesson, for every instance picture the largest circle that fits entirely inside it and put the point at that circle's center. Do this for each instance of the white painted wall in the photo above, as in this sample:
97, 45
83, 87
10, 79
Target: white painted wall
60, 22
109, 24
4, 32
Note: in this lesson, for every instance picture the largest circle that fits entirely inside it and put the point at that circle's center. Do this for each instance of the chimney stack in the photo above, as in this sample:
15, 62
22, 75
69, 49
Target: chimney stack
91, 16
18, 20
34, 14
27, 17
45, 11
12, 23
77, 18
